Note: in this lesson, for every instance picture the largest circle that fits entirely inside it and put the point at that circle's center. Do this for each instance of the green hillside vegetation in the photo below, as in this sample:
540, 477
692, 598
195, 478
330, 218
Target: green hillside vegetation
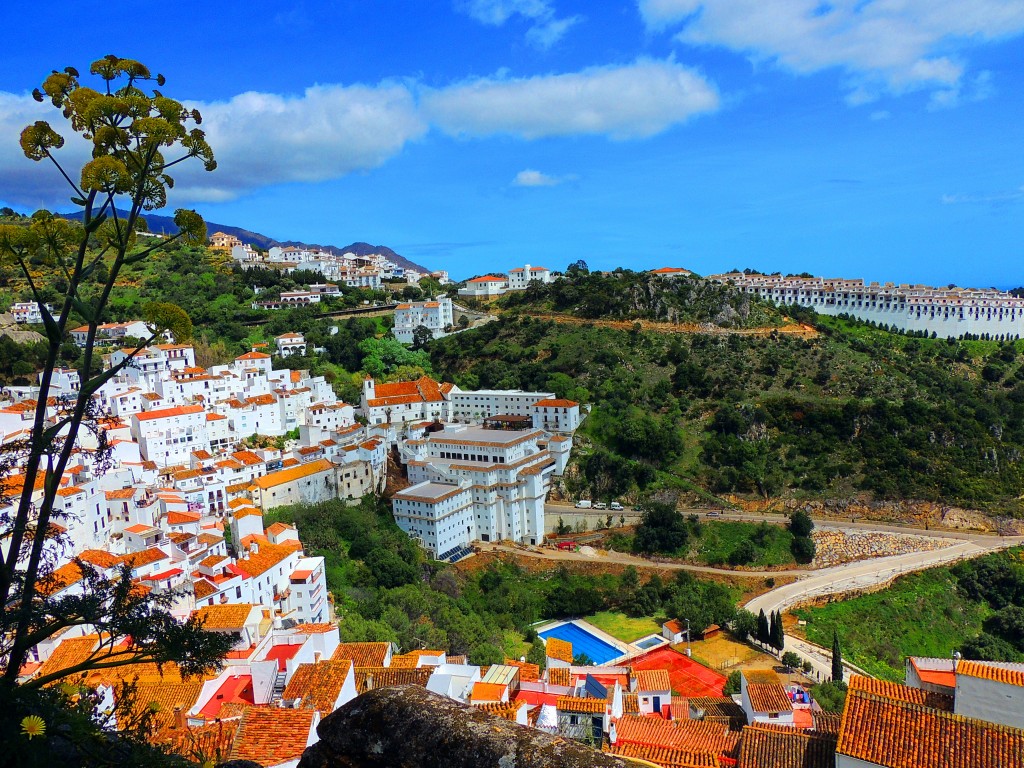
975, 607
385, 589
855, 410
624, 294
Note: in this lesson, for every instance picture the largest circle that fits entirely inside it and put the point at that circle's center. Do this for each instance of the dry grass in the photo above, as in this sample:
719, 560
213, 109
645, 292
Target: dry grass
724, 653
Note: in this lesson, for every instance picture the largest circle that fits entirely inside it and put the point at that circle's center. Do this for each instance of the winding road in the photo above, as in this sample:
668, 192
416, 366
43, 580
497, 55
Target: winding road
812, 584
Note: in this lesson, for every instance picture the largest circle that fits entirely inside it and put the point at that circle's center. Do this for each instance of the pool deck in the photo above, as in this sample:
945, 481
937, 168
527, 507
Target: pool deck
627, 649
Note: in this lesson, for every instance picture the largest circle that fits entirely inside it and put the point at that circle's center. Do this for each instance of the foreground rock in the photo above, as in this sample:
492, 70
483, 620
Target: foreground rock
409, 727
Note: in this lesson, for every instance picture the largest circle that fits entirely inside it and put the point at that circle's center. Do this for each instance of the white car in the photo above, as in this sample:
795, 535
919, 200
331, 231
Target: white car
600, 505
583, 504
615, 506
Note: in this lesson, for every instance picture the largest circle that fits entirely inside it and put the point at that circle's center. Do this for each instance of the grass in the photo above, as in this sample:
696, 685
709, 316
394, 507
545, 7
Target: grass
921, 614
720, 538
623, 627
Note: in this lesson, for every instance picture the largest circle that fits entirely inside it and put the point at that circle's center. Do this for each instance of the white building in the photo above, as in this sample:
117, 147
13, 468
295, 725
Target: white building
509, 473
420, 400
169, 435
112, 332
520, 277
288, 344
764, 698
487, 287
28, 312
436, 316
439, 515
946, 312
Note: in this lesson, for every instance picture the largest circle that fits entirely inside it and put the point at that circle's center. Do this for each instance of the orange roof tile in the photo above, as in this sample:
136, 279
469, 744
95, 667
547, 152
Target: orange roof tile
122, 493
272, 735
388, 676
99, 557
579, 704
71, 490
558, 649
528, 673
362, 654
559, 676
227, 616
292, 474
145, 557
652, 680
689, 735
1006, 675
253, 356
901, 692
665, 757
202, 588
318, 685
166, 413
900, 734
487, 692
268, 556
765, 697
556, 403
786, 748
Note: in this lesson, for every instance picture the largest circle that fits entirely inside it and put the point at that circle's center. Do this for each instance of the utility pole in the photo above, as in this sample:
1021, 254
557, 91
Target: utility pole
688, 654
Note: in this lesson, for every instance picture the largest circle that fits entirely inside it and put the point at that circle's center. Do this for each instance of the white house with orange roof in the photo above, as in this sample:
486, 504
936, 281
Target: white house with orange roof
421, 400
168, 436
302, 484
112, 332
556, 414
991, 691
291, 343
520, 277
671, 272
486, 287
436, 316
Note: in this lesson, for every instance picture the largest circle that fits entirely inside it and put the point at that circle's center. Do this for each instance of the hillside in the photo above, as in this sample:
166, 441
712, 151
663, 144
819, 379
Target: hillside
854, 411
165, 225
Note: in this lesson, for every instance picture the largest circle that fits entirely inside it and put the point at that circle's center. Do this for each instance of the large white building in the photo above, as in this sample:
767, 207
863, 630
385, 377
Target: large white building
946, 312
436, 316
487, 287
438, 515
508, 474
520, 277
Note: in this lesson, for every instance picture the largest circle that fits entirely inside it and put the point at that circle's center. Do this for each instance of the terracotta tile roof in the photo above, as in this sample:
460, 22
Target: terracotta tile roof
202, 588
182, 518
487, 279
248, 458
666, 757
765, 697
210, 742
212, 560
70, 652
362, 654
122, 493
900, 734
166, 413
228, 616
313, 629
1008, 675
901, 692
99, 557
164, 697
488, 692
785, 748
71, 490
253, 356
827, 722
258, 563
272, 735
556, 403
145, 557
318, 685
652, 680
763, 676
580, 704
384, 677
558, 649
528, 673
277, 528
559, 676
283, 476
631, 703
718, 709
689, 735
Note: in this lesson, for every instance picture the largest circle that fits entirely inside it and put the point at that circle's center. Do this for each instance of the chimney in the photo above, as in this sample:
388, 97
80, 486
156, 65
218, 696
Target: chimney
179, 718
369, 682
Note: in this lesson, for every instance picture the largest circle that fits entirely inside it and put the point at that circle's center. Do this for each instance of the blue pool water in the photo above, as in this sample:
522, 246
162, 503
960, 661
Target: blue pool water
583, 642
649, 642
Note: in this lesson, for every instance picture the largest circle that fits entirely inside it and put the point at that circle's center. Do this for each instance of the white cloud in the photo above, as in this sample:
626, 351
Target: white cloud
991, 198
532, 178
547, 28
627, 102
886, 45
259, 139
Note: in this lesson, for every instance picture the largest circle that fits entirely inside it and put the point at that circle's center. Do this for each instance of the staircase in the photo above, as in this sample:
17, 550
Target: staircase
279, 685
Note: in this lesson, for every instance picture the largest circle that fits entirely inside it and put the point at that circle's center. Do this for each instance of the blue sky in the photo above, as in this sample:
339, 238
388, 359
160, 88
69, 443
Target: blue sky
860, 138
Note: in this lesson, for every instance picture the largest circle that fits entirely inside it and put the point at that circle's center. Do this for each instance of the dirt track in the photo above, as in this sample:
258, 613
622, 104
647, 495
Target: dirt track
790, 329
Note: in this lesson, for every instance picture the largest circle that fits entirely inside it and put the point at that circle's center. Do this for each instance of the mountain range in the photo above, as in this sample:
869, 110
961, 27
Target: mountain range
166, 225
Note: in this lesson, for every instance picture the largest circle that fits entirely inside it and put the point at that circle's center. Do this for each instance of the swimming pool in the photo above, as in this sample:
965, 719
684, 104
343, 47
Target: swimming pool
596, 649
651, 641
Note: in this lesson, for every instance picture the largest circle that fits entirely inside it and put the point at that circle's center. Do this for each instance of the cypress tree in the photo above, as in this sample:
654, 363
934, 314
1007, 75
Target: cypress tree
837, 658
778, 636
763, 633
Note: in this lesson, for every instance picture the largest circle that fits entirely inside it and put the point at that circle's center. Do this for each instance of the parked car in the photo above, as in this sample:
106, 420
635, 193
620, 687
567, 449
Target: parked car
583, 504
600, 505
567, 545
616, 506
714, 514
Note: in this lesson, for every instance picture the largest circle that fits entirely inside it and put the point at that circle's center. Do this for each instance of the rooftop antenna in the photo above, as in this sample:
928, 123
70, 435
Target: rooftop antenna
956, 659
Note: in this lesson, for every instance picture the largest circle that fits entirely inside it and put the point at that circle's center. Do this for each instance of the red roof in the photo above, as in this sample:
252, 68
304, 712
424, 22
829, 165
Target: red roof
253, 356
281, 654
234, 689
487, 279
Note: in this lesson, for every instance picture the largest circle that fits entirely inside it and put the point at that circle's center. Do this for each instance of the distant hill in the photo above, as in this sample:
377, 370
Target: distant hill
165, 225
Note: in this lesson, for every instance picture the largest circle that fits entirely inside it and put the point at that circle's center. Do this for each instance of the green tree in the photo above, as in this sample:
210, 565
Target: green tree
745, 625
661, 529
800, 523
837, 658
764, 634
732, 683
421, 336
131, 135
803, 549
791, 660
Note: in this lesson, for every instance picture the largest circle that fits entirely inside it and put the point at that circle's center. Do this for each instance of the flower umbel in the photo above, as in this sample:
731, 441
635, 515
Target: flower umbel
33, 726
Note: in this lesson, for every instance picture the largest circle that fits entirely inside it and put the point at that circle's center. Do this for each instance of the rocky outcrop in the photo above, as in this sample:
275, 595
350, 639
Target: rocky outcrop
409, 727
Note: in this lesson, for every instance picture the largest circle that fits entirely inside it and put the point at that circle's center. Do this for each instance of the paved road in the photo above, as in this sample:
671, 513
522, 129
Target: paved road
858, 575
